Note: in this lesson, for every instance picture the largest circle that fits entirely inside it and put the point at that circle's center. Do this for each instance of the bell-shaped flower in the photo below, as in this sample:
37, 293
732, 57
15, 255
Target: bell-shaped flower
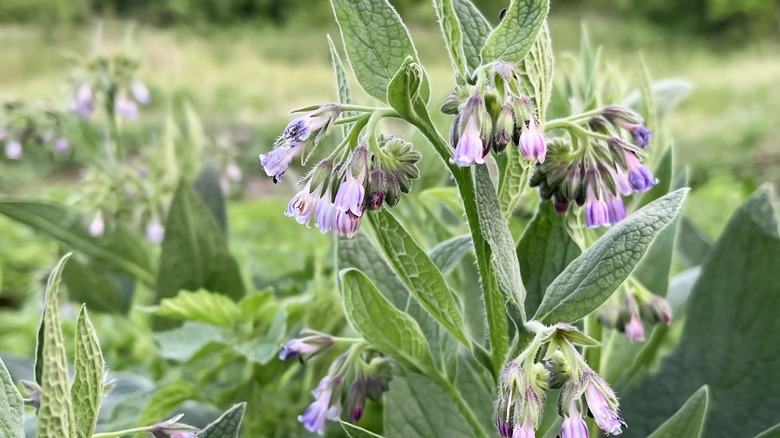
276, 161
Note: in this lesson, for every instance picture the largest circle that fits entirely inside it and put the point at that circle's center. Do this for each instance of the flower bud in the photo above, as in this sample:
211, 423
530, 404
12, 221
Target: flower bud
657, 311
61, 145
33, 394
376, 188
313, 344
615, 113
126, 108
393, 190
504, 128
97, 226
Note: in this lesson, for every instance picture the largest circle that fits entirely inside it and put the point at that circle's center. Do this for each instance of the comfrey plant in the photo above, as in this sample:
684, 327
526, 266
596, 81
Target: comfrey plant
404, 308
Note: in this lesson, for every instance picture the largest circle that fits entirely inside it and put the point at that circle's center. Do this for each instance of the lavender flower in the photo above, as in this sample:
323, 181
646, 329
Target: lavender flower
468, 151
13, 149
471, 133
173, 429
301, 129
97, 226
303, 205
616, 210
61, 145
155, 231
596, 211
351, 195
140, 92
233, 172
602, 403
84, 104
573, 425
307, 345
640, 178
634, 329
527, 430
275, 163
317, 413
531, 142
346, 223
640, 134
126, 108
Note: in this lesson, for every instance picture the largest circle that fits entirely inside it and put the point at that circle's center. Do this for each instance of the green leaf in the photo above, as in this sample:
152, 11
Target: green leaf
201, 306
772, 432
55, 416
118, 248
264, 349
475, 29
503, 257
692, 245
11, 406
188, 160
648, 98
87, 390
405, 93
165, 400
536, 71
415, 407
418, 272
226, 426
544, 251
667, 93
727, 342
357, 432
96, 288
195, 254
592, 278
453, 36
210, 191
342, 84
513, 180
448, 254
181, 343
376, 41
513, 37
689, 420
390, 330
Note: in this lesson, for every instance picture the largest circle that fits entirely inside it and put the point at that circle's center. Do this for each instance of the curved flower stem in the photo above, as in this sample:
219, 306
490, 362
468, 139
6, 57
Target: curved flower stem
574, 128
359, 108
123, 432
576, 117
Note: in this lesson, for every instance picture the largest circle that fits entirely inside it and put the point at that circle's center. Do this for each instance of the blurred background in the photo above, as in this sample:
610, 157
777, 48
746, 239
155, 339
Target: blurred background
235, 68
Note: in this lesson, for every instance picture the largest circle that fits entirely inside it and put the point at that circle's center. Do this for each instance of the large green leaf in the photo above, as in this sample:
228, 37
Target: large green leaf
342, 84
202, 306
415, 407
727, 341
448, 254
536, 71
513, 37
692, 245
390, 330
265, 348
772, 432
118, 248
95, 287
181, 343
418, 272
376, 42
689, 420
195, 254
165, 400
357, 432
210, 191
87, 390
545, 249
475, 28
513, 180
667, 93
226, 426
592, 278
55, 416
453, 36
11, 406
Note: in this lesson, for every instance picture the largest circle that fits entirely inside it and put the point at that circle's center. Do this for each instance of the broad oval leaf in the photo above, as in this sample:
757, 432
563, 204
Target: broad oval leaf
512, 39
87, 390
447, 254
228, 425
55, 416
11, 406
376, 42
592, 278
202, 306
453, 36
390, 330
418, 272
475, 29
689, 420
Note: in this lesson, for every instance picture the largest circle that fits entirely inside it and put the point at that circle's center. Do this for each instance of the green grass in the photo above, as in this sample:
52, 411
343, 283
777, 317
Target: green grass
250, 77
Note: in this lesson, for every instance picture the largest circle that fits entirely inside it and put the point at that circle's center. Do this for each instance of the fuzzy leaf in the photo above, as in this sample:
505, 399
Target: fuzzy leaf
87, 390
376, 42
55, 416
357, 432
165, 400
202, 306
592, 278
98, 289
226, 426
264, 349
513, 37
667, 93
689, 420
342, 84
11, 406
453, 36
210, 191
475, 28
544, 251
536, 70
390, 330
418, 272
772, 432
405, 91
181, 343
513, 179
447, 254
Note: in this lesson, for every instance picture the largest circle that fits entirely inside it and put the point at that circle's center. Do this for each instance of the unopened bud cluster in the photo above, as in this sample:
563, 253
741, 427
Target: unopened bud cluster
492, 115
525, 380
339, 189
359, 374
597, 166
637, 308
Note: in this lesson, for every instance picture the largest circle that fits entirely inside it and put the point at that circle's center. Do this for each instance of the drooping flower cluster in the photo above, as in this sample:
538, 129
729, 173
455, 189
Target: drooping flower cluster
491, 115
525, 380
360, 374
340, 188
24, 125
638, 307
595, 168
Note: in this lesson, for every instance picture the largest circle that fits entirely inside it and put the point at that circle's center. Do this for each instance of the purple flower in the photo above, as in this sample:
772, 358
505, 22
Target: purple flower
325, 212
596, 211
470, 148
140, 92
13, 149
317, 413
531, 143
351, 195
300, 129
184, 435
233, 172
616, 209
634, 329
61, 145
621, 183
606, 418
84, 104
527, 430
573, 425
275, 162
640, 178
155, 231
297, 347
97, 227
346, 223
640, 134
504, 428
126, 108
303, 205
173, 429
